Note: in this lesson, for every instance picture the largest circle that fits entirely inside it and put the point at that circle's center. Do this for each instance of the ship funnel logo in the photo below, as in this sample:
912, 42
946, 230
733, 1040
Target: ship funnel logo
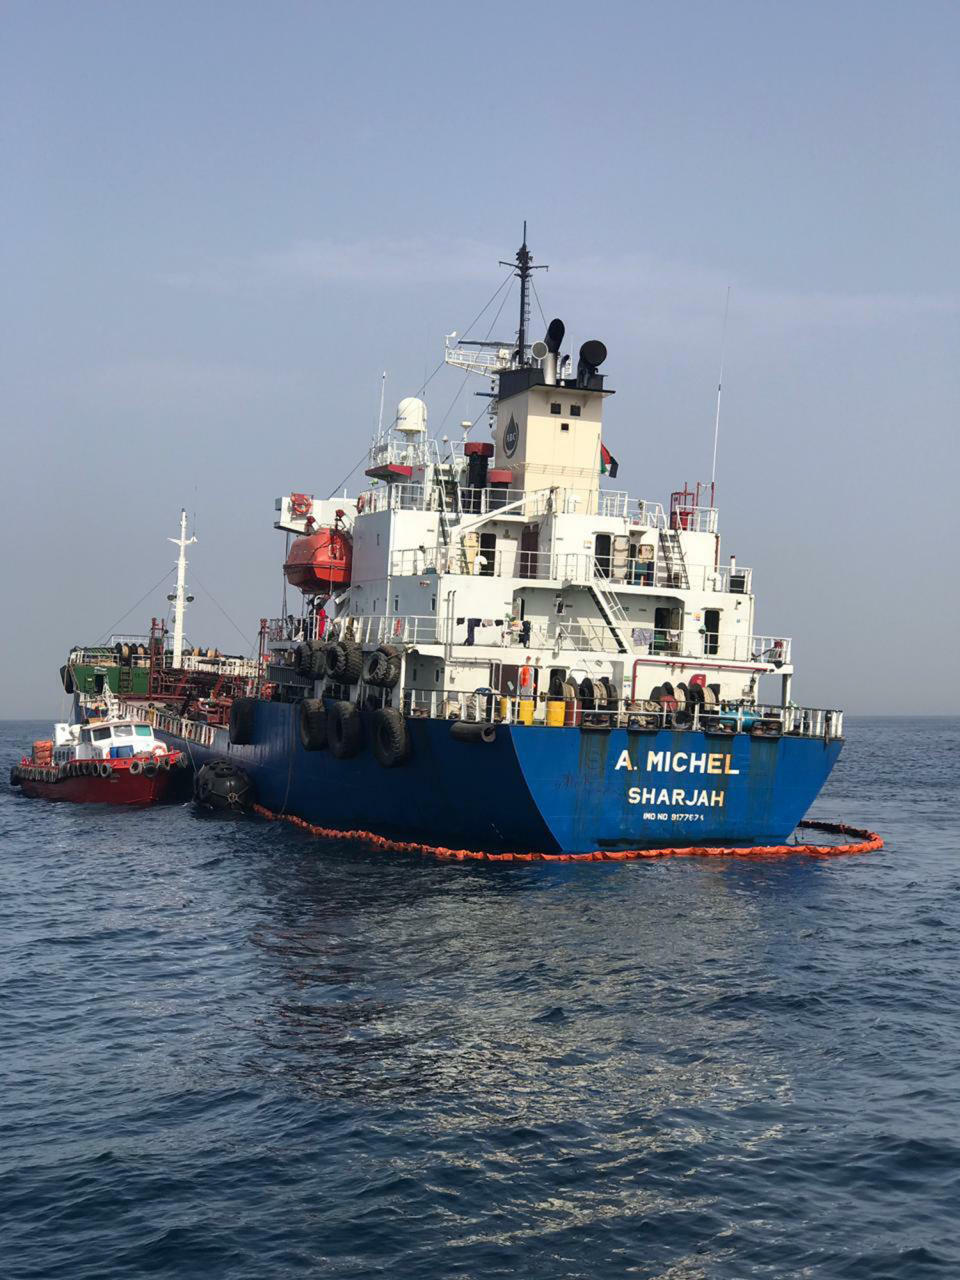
511, 437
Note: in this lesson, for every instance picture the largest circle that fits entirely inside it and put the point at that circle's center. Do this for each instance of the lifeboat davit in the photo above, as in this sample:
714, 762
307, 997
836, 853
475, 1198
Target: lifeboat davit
319, 561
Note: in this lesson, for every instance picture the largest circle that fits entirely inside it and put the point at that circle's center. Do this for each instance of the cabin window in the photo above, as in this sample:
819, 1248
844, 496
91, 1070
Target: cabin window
555, 408
433, 604
396, 604
574, 411
378, 539
123, 731
144, 731
100, 734
564, 426
84, 735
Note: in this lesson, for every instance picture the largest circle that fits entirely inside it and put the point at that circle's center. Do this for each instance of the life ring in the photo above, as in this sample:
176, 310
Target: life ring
159, 750
361, 503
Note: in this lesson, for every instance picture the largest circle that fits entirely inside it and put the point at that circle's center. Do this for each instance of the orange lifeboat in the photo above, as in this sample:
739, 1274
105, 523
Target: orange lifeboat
319, 561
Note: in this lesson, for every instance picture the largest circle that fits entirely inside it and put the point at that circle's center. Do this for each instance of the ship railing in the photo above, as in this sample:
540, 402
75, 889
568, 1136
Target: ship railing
227, 666
394, 497
563, 632
517, 562
427, 452
292, 629
648, 515
197, 731
720, 720
103, 656
371, 631
694, 519
480, 502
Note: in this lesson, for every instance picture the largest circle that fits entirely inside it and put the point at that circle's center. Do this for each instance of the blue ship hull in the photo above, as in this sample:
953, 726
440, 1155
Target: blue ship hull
539, 788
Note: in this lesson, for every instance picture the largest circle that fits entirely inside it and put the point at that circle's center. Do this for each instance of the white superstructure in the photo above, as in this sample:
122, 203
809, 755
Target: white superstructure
483, 561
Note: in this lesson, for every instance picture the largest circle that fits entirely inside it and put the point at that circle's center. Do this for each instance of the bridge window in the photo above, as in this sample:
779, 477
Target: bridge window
564, 426
555, 407
574, 411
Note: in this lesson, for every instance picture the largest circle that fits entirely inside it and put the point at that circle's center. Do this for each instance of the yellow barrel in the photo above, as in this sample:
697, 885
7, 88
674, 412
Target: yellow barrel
556, 708
525, 710
504, 708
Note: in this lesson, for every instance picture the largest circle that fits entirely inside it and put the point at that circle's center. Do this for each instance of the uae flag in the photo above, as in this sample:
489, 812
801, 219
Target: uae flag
609, 466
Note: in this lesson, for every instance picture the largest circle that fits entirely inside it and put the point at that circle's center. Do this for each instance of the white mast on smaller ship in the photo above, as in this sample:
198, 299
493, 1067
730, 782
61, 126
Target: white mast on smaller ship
180, 598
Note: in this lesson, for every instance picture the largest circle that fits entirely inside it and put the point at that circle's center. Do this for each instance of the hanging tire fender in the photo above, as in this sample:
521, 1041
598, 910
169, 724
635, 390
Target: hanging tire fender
473, 731
344, 730
375, 667
390, 737
344, 661
313, 724
241, 721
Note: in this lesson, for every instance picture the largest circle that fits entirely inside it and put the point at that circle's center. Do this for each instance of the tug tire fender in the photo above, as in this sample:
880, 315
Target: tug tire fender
472, 731
390, 737
344, 661
375, 667
105, 770
344, 730
316, 666
301, 657
313, 724
136, 767
241, 721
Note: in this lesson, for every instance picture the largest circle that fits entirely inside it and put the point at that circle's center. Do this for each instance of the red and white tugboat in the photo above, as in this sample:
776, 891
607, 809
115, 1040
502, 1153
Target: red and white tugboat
108, 761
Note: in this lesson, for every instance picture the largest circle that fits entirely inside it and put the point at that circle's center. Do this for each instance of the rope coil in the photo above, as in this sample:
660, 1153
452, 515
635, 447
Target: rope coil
863, 841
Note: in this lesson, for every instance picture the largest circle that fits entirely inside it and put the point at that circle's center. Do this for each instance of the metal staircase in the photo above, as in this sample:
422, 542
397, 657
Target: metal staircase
610, 610
672, 558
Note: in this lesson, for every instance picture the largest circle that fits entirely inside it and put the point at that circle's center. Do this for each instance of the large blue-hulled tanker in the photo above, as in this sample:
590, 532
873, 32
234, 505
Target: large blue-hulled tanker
493, 648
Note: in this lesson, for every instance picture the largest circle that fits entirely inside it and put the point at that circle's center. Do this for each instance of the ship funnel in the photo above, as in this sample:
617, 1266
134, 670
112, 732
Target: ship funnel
592, 355
555, 332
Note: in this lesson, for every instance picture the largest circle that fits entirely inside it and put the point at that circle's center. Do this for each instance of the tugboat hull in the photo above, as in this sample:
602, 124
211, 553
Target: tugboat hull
120, 788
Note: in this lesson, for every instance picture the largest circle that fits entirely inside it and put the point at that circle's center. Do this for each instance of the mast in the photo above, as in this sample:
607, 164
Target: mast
180, 598
524, 265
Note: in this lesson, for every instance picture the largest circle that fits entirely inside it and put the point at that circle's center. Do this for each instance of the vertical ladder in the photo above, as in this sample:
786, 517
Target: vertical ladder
671, 546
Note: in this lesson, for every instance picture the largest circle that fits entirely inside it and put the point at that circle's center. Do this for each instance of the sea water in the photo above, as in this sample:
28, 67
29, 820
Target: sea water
228, 1049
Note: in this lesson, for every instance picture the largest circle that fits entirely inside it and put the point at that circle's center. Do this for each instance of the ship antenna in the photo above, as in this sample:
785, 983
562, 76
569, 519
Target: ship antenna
716, 421
524, 265
383, 386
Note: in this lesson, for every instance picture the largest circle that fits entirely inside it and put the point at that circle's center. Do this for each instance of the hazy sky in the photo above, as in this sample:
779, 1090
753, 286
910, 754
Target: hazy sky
220, 221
